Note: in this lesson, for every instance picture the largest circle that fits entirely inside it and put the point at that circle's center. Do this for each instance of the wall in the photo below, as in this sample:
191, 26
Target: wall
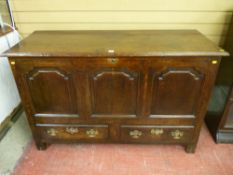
4, 11
211, 17
9, 97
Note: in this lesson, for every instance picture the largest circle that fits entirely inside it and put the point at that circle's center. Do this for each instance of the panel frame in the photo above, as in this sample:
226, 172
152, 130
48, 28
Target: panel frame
160, 76
122, 65
200, 65
70, 88
25, 68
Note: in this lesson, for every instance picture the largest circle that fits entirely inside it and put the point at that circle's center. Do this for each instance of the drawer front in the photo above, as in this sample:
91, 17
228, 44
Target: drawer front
154, 133
74, 132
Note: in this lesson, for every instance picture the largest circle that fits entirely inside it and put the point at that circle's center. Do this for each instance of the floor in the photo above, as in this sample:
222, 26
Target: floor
13, 145
116, 159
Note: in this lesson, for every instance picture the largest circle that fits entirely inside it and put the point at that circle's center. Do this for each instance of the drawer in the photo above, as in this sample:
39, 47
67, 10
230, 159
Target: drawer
74, 132
154, 133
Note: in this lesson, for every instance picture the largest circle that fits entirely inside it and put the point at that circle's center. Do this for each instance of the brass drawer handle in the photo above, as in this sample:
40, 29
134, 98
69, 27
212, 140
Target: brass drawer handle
92, 132
177, 134
52, 132
71, 130
157, 131
135, 134
113, 60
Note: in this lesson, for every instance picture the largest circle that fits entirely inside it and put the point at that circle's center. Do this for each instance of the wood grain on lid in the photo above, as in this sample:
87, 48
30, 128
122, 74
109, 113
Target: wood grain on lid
115, 43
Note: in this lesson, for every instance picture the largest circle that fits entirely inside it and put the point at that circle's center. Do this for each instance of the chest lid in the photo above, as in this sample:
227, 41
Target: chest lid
146, 43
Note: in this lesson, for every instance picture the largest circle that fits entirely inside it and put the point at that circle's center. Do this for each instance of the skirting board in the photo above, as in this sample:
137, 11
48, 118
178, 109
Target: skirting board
10, 120
224, 137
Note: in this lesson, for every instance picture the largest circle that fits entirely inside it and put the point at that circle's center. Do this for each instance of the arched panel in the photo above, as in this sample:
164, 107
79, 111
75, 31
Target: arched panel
176, 92
114, 92
51, 91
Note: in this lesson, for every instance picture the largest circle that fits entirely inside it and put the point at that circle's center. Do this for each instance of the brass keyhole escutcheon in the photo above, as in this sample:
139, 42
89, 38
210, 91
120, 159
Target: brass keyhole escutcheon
52, 132
177, 134
135, 134
157, 131
92, 132
113, 60
71, 130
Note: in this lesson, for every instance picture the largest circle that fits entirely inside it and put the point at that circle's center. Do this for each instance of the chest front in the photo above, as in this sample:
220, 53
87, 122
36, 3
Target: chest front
150, 87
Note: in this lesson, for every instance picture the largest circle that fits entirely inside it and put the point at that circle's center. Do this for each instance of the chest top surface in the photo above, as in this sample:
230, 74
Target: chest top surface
127, 43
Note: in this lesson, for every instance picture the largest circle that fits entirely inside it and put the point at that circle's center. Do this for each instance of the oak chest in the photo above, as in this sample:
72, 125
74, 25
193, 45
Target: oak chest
115, 86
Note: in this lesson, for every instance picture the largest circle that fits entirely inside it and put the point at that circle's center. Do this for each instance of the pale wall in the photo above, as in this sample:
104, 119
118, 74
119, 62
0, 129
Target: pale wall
211, 17
4, 11
9, 97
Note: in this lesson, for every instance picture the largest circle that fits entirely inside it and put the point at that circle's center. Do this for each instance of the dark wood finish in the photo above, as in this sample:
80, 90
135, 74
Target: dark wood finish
227, 120
115, 83
53, 87
73, 132
220, 123
225, 75
115, 92
168, 99
124, 43
156, 134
